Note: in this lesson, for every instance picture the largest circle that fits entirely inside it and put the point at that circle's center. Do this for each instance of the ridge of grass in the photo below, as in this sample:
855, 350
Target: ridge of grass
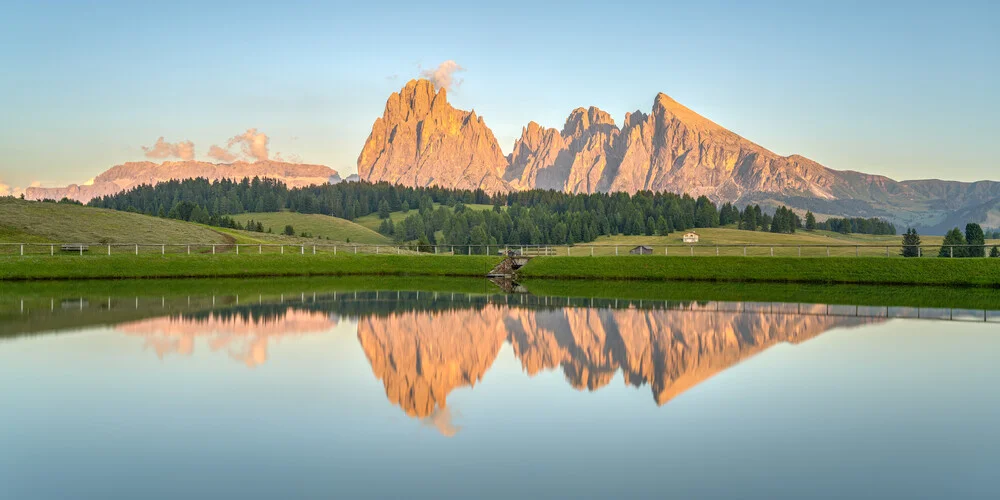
844, 270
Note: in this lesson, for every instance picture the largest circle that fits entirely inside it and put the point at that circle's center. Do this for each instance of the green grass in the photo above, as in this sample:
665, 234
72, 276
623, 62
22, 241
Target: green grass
36, 222
371, 221
850, 270
317, 225
33, 267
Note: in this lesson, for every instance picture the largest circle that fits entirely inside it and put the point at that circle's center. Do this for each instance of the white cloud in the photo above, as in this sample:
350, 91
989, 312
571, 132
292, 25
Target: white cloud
253, 145
162, 149
443, 77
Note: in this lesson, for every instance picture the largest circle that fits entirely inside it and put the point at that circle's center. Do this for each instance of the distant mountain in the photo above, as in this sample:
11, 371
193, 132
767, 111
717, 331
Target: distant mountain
421, 140
128, 175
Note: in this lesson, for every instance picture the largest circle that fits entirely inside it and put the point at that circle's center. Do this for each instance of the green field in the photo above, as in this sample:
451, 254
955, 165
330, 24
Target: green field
35, 222
371, 221
317, 225
849, 270
231, 265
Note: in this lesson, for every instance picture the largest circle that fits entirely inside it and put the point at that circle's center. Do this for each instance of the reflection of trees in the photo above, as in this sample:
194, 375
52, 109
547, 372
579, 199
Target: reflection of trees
244, 333
421, 357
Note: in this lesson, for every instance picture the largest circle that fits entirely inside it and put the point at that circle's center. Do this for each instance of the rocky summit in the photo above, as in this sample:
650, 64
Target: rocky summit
422, 140
131, 174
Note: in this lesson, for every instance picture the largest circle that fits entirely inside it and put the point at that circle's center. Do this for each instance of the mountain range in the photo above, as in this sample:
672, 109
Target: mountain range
131, 174
422, 140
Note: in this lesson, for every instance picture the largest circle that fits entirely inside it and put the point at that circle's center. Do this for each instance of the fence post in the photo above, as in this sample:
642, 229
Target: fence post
137, 249
716, 250
335, 250
22, 250
920, 252
435, 249
591, 251
355, 249
398, 251
189, 249
303, 250
772, 251
376, 249
314, 249
567, 251
827, 251
52, 249
951, 252
282, 249
81, 250
616, 249
109, 248
692, 250
237, 249
213, 249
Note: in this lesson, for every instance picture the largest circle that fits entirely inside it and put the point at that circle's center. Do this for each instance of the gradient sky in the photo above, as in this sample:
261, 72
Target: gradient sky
901, 89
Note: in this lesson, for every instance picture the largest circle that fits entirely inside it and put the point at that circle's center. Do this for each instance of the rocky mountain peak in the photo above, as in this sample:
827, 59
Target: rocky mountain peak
581, 120
421, 140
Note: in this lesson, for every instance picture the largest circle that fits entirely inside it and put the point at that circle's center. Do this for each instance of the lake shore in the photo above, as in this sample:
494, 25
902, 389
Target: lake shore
834, 270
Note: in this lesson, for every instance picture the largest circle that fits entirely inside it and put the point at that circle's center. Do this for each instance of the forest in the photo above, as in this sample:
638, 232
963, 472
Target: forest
524, 217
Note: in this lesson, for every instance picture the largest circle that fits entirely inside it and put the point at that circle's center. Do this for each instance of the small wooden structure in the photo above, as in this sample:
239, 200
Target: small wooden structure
691, 237
641, 250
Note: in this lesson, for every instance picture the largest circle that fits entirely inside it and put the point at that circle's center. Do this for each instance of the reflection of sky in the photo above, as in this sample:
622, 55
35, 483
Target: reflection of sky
904, 409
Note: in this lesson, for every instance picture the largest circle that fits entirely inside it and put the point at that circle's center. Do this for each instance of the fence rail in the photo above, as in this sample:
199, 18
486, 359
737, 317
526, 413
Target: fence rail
581, 250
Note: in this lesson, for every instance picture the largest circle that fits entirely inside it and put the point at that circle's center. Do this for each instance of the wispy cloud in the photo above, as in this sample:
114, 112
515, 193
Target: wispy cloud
443, 77
162, 149
290, 158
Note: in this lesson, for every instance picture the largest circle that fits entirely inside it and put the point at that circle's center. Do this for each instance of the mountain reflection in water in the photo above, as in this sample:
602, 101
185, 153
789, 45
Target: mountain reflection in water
422, 350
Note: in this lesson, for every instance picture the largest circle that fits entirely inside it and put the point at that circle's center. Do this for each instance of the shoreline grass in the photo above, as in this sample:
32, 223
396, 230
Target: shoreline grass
835, 270
238, 266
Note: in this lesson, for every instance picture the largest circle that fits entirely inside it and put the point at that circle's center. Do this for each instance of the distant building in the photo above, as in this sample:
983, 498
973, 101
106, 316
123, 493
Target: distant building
691, 237
641, 250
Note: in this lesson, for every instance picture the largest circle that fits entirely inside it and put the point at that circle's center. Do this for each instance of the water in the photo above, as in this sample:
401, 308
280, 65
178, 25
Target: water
387, 394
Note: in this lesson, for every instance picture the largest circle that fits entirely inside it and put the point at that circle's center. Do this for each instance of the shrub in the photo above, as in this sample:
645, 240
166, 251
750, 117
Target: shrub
995, 252
289, 230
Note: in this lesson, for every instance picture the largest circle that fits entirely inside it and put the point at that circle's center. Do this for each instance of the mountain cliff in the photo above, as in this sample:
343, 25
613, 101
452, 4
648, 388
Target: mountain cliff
128, 175
421, 140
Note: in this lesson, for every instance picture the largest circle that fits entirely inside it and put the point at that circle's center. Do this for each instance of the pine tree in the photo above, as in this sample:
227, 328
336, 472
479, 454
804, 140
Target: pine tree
974, 237
810, 221
383, 209
911, 243
289, 230
995, 252
951, 247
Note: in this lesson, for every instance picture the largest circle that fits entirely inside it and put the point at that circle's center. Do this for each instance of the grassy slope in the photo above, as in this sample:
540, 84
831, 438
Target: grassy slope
317, 225
25, 221
863, 270
245, 265
371, 221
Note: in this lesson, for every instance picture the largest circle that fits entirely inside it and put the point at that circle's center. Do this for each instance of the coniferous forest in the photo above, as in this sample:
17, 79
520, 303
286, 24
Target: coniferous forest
523, 217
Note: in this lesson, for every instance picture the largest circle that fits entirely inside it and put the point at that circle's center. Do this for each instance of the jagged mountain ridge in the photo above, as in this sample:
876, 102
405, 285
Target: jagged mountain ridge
672, 148
131, 174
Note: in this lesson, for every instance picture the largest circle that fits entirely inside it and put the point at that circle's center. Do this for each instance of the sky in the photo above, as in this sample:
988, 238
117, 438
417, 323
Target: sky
904, 89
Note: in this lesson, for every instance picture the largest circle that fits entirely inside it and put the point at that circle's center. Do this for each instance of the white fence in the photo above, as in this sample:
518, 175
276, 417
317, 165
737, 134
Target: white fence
582, 250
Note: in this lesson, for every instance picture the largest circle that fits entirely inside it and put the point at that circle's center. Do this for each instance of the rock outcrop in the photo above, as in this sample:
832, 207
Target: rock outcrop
421, 140
128, 175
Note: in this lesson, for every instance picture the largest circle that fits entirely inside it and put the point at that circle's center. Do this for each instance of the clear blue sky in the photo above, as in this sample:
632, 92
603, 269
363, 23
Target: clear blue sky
901, 89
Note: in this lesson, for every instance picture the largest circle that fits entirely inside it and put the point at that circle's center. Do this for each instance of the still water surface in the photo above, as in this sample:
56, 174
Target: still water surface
436, 395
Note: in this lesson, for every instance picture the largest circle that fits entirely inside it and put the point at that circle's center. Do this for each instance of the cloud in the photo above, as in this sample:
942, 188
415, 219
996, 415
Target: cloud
253, 146
7, 190
443, 76
252, 143
162, 149
221, 154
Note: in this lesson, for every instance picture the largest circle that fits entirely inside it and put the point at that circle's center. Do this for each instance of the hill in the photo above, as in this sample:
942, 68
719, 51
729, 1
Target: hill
372, 221
42, 222
318, 226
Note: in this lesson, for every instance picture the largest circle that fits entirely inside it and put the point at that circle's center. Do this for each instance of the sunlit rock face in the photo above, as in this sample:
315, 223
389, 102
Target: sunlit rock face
422, 357
421, 140
128, 175
245, 338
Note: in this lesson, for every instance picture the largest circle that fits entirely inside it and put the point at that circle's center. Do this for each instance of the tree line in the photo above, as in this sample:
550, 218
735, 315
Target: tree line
432, 213
956, 244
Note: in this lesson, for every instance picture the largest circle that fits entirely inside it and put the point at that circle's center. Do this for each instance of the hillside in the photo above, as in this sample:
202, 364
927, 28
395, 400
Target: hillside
372, 221
29, 222
318, 226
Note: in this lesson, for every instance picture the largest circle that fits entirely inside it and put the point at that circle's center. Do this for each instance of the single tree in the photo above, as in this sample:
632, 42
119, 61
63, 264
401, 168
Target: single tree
911, 243
810, 221
976, 239
289, 230
953, 244
383, 209
995, 252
